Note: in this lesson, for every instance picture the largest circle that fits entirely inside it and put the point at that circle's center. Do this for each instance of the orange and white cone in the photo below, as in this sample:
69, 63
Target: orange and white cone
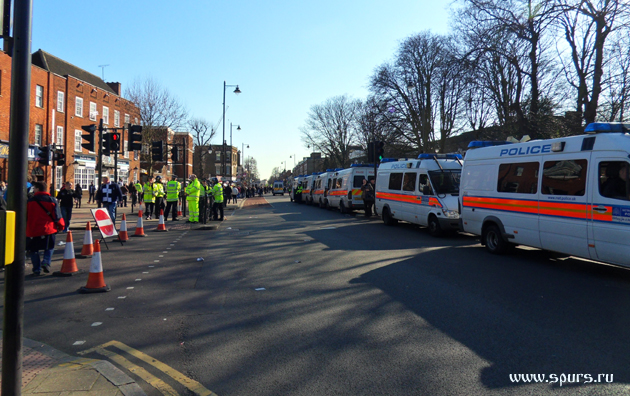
179, 210
96, 281
161, 225
88, 248
69, 266
139, 226
122, 233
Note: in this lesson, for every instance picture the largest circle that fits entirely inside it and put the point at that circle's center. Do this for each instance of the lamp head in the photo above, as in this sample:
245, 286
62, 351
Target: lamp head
237, 91
238, 128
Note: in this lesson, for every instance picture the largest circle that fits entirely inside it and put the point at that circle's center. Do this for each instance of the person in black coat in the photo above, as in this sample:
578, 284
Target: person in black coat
66, 203
78, 195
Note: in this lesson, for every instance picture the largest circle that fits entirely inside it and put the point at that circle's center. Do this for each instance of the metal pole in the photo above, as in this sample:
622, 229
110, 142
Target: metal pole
100, 154
53, 167
184, 201
223, 152
12, 324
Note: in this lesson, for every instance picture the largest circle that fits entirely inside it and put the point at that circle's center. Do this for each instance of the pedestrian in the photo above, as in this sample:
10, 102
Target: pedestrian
91, 192
217, 206
108, 195
159, 195
78, 195
193, 191
172, 197
367, 194
227, 193
234, 194
133, 194
149, 197
124, 190
66, 202
43, 221
138, 187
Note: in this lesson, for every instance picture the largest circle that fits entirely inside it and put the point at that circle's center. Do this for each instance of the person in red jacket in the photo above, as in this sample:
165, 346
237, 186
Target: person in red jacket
43, 221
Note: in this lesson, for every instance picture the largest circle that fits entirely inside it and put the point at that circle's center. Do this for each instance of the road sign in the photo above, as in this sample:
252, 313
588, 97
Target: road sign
104, 222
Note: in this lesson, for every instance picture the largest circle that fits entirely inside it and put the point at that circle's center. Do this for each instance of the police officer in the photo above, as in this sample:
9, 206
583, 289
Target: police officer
172, 197
149, 197
159, 196
138, 186
217, 193
192, 196
203, 202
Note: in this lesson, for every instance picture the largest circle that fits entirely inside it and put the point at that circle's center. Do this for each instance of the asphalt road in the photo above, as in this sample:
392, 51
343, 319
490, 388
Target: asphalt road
296, 300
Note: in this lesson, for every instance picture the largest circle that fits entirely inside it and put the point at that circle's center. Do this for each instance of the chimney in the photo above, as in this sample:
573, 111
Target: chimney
115, 86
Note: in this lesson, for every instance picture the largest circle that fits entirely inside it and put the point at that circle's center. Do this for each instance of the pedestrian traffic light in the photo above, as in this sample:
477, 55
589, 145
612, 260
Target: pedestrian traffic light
59, 157
157, 151
89, 137
114, 142
370, 149
106, 143
175, 154
134, 135
45, 155
380, 150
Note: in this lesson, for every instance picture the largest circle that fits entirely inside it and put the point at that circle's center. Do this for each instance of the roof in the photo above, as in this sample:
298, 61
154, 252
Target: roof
58, 66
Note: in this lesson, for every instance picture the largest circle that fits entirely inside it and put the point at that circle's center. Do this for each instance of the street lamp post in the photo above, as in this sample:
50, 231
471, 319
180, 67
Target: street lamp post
243, 154
236, 91
238, 128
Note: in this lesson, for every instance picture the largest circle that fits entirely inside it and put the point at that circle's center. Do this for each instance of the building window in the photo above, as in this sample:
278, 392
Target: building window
59, 136
59, 176
60, 99
127, 119
38, 134
105, 115
93, 112
116, 118
135, 120
126, 148
39, 96
77, 140
83, 176
78, 107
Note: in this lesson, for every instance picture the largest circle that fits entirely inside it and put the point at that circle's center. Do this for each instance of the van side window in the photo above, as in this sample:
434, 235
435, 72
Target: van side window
330, 183
424, 184
519, 178
614, 180
409, 181
338, 183
358, 181
566, 177
395, 181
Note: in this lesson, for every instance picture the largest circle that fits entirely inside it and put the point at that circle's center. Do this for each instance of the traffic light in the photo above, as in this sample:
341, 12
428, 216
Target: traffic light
45, 155
114, 142
370, 150
175, 154
134, 137
89, 137
60, 158
106, 143
380, 150
157, 151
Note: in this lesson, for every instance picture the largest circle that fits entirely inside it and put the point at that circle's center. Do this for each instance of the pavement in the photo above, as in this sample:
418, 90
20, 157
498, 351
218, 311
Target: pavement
49, 372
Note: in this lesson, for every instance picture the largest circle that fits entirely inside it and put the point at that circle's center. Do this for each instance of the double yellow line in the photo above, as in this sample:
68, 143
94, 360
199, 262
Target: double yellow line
154, 381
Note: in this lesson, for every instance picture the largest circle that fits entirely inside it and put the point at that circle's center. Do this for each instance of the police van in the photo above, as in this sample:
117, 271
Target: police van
307, 187
296, 192
320, 188
569, 195
278, 187
344, 190
421, 191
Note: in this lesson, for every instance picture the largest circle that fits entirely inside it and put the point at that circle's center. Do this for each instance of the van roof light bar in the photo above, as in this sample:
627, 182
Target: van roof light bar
607, 127
388, 160
486, 143
440, 156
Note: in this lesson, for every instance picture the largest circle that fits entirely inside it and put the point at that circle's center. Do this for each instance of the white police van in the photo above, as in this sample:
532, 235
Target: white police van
321, 187
422, 191
278, 187
345, 187
569, 195
307, 188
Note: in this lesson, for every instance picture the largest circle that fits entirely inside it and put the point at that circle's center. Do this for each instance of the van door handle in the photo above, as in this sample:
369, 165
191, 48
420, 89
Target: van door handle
602, 209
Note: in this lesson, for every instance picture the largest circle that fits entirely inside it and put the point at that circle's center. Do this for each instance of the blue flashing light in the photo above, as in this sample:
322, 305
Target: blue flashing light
338, 169
440, 156
602, 127
485, 143
361, 165
384, 160
330, 170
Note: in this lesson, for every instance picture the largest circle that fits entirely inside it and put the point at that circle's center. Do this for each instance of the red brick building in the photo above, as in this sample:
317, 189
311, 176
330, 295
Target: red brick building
165, 169
64, 98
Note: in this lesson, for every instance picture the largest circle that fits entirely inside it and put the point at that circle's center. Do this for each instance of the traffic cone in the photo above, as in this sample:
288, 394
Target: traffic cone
122, 233
69, 266
88, 248
139, 226
179, 210
95, 282
161, 226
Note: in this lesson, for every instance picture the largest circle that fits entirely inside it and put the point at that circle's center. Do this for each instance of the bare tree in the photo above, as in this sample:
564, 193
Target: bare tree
331, 128
202, 135
616, 97
159, 110
251, 168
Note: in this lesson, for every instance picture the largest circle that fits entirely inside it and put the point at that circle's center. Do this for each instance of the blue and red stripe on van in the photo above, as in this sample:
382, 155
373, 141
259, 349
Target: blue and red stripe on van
414, 199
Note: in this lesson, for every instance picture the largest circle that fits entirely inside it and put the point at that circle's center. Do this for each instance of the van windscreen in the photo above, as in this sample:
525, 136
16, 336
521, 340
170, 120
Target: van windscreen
445, 182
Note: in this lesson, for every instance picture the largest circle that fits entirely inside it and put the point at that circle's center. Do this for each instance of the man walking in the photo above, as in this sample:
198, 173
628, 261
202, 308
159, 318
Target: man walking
91, 192
108, 195
172, 197
43, 221
149, 197
192, 196
66, 202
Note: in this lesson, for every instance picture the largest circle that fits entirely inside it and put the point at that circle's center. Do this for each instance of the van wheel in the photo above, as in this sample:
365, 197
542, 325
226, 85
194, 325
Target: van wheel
434, 227
388, 219
342, 208
494, 240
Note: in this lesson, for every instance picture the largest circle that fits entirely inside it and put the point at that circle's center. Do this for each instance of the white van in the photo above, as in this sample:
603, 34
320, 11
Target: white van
278, 187
569, 195
345, 187
307, 188
320, 189
422, 191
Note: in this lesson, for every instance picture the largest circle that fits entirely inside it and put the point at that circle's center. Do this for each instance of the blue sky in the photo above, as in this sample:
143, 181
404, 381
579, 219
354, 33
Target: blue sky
285, 55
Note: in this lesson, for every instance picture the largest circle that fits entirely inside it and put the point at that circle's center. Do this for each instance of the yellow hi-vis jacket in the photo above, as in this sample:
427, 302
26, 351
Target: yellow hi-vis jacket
202, 190
217, 193
159, 189
172, 190
193, 190
138, 187
149, 193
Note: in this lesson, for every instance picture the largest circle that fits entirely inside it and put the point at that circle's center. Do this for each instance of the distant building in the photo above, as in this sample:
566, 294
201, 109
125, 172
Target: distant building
207, 162
309, 165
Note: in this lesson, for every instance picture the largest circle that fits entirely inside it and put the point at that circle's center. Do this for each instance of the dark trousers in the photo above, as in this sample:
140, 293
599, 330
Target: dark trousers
148, 207
217, 206
171, 205
66, 213
91, 197
368, 207
78, 201
159, 205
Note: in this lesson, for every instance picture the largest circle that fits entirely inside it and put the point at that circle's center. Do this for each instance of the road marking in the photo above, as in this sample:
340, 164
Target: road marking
189, 383
161, 255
